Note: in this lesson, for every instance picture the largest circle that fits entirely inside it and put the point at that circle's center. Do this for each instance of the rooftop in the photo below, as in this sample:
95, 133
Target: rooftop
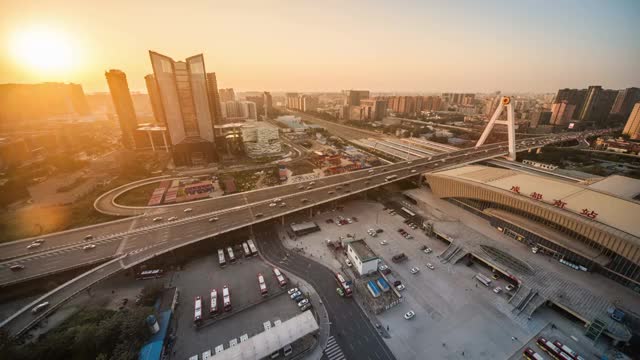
363, 250
611, 209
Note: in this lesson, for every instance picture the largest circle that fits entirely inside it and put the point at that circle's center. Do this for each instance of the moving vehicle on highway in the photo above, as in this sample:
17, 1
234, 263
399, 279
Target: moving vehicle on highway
263, 286
173, 218
150, 274
342, 282
197, 311
391, 177
88, 237
213, 219
213, 309
280, 277
89, 247
252, 247
188, 210
39, 241
232, 258
221, 259
157, 218
36, 309
226, 298
16, 267
33, 246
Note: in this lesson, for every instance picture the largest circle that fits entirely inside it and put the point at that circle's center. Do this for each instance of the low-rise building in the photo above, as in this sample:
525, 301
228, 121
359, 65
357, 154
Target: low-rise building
363, 258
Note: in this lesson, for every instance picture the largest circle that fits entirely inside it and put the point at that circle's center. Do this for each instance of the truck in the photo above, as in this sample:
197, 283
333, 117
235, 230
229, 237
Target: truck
399, 258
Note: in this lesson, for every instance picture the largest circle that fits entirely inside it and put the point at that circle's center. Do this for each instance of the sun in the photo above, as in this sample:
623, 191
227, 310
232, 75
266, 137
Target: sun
42, 49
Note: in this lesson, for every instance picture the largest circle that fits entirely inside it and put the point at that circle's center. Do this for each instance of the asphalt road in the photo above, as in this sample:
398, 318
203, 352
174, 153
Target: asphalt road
353, 332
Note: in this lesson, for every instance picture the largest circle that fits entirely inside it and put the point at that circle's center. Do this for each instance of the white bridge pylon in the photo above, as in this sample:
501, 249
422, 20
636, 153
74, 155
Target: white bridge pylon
510, 122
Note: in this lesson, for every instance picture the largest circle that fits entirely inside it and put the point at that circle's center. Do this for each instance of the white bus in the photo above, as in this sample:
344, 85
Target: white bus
263, 285
245, 247
281, 279
197, 317
483, 279
214, 302
150, 274
391, 177
221, 259
226, 298
232, 259
252, 247
408, 212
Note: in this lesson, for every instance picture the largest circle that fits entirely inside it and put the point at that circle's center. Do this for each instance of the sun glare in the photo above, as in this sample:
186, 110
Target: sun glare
42, 49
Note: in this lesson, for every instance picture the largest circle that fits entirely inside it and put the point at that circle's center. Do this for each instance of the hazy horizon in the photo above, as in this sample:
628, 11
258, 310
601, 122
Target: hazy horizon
400, 46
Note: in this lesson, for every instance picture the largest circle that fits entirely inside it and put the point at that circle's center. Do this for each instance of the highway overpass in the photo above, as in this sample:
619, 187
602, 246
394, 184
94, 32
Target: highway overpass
145, 239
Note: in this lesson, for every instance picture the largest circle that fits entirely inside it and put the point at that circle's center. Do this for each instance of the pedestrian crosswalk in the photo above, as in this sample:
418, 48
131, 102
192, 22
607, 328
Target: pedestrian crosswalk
333, 351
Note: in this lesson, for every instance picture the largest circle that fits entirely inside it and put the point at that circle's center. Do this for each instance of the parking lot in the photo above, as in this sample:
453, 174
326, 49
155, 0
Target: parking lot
203, 274
453, 316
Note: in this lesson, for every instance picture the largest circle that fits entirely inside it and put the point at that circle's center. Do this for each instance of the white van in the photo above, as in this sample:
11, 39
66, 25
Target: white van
39, 307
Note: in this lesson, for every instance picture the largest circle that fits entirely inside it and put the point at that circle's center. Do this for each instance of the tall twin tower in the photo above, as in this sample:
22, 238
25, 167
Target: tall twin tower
184, 98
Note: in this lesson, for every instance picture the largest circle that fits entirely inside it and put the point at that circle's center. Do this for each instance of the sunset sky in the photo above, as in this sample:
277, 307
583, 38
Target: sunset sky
420, 46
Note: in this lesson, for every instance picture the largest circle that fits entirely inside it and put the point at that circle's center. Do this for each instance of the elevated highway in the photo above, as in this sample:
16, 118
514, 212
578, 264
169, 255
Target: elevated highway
141, 243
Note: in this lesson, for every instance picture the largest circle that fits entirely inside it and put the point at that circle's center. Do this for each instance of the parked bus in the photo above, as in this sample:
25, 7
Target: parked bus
263, 285
232, 258
391, 177
280, 276
483, 279
246, 250
529, 354
150, 274
226, 298
343, 284
214, 302
221, 259
197, 317
551, 349
408, 212
567, 350
252, 247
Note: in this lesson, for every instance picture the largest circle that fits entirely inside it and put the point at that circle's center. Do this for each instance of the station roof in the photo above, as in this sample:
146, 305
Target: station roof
266, 342
612, 210
621, 186
304, 226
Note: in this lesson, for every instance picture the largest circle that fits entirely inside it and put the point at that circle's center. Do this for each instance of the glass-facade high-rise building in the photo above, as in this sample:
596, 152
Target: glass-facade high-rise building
182, 89
119, 89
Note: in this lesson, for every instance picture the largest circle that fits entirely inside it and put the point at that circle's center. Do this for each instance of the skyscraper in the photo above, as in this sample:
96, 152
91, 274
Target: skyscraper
154, 98
214, 99
562, 113
597, 104
353, 97
227, 95
119, 88
625, 100
268, 103
182, 86
632, 128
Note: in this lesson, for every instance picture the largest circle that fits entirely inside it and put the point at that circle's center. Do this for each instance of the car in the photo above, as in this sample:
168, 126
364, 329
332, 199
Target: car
300, 187
371, 171
495, 277
283, 204
213, 219
409, 315
427, 250
509, 287
384, 242
430, 266
298, 298
273, 205
413, 170
36, 309
350, 221
348, 262
415, 270
173, 218
17, 267
305, 200
277, 200
292, 291
354, 218
157, 218
497, 290
89, 247
259, 215
379, 231
88, 237
303, 302
400, 287
312, 183
331, 192
397, 282
305, 307
33, 246
409, 236
340, 291
188, 210
296, 294
39, 241
400, 231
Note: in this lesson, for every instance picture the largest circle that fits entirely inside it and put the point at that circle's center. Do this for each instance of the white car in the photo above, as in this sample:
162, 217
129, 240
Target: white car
33, 246
348, 262
415, 270
89, 247
510, 287
213, 219
273, 205
158, 218
497, 290
173, 218
430, 266
187, 210
382, 268
292, 291
400, 287
88, 237
427, 250
303, 302
277, 200
413, 170
384, 242
282, 204
409, 315
39, 241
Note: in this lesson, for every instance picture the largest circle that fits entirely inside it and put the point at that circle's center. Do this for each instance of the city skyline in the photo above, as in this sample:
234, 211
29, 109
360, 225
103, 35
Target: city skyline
306, 50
